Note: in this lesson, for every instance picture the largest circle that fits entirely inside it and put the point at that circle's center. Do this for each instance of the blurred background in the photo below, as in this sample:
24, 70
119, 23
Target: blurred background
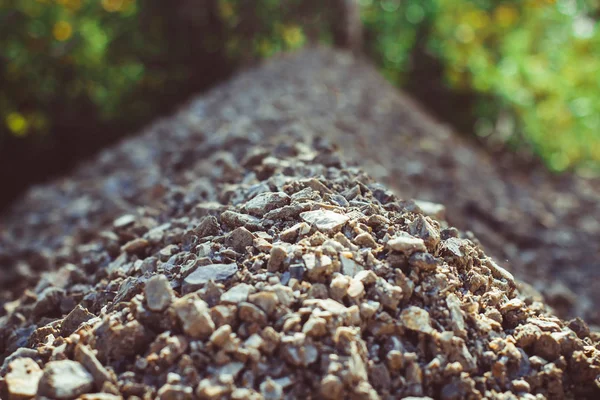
75, 75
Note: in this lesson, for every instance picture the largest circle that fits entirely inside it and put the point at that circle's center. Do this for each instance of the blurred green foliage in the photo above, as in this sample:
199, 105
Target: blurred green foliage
259, 29
62, 60
108, 56
532, 65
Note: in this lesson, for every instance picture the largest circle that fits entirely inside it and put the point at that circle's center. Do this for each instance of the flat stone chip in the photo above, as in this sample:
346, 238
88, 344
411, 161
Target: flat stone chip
416, 319
407, 244
158, 293
65, 379
325, 220
206, 273
23, 378
265, 202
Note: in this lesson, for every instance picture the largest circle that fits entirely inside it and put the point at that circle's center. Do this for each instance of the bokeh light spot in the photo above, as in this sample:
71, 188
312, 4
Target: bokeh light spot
464, 33
17, 124
62, 31
293, 36
112, 5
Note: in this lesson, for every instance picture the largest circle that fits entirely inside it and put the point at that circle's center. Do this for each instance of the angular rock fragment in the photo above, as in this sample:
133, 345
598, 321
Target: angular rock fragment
48, 302
208, 226
458, 321
87, 358
293, 233
194, 316
212, 272
265, 202
325, 220
170, 391
235, 219
74, 319
65, 379
158, 293
116, 341
248, 312
404, 243
277, 256
237, 294
416, 319
434, 210
100, 396
423, 261
317, 266
423, 228
266, 301
271, 390
499, 272
239, 239
349, 266
124, 221
135, 246
22, 378
365, 240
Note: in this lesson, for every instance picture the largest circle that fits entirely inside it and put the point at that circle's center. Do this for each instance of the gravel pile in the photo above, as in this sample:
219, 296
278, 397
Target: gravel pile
229, 255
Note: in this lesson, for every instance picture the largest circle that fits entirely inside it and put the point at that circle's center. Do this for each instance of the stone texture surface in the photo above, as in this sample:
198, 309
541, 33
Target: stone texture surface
65, 379
233, 251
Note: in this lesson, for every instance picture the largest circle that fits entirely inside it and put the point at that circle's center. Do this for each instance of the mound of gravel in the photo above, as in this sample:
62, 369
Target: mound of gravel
221, 256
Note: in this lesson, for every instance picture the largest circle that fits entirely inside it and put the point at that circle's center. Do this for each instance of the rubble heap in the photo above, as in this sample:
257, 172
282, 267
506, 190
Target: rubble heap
225, 263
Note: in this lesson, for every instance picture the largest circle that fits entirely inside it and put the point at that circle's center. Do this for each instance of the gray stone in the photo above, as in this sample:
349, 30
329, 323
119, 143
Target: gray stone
276, 259
434, 210
65, 379
87, 358
349, 266
271, 390
48, 301
203, 274
233, 369
325, 220
124, 221
239, 239
265, 202
74, 319
235, 219
158, 293
297, 271
194, 316
135, 246
237, 294
423, 261
416, 319
21, 352
407, 244
208, 226
22, 378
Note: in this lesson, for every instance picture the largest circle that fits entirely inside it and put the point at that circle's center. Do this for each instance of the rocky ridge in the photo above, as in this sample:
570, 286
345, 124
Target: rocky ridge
228, 257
